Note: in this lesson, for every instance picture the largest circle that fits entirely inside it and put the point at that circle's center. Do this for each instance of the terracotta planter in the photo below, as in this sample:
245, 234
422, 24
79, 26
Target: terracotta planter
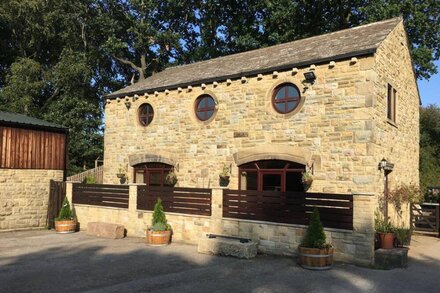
386, 240
66, 226
315, 258
158, 238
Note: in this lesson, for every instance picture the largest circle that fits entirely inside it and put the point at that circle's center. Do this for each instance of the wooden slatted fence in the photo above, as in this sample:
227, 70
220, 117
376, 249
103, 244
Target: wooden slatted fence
194, 201
425, 218
336, 210
101, 195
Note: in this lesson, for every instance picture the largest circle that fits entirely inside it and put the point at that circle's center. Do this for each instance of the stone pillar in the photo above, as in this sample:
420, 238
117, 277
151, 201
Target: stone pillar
363, 227
69, 191
132, 197
217, 210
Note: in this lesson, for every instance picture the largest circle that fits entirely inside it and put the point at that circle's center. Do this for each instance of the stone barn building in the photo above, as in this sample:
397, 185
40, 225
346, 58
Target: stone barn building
32, 152
333, 105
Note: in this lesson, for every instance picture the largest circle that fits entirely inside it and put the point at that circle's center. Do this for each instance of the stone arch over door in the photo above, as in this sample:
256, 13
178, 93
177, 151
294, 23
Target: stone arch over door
159, 157
273, 152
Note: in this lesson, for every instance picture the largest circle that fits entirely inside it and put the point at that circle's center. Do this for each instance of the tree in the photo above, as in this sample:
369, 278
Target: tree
429, 147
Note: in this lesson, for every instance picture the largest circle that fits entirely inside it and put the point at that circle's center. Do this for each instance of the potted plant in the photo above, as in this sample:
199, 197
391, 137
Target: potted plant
384, 231
314, 252
307, 180
224, 176
171, 179
121, 173
66, 221
159, 234
403, 236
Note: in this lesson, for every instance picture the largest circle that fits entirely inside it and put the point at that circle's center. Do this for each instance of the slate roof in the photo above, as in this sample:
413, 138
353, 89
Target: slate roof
14, 119
357, 41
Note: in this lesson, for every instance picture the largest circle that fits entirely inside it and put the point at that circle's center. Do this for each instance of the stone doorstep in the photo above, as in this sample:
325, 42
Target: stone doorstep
106, 230
227, 247
391, 258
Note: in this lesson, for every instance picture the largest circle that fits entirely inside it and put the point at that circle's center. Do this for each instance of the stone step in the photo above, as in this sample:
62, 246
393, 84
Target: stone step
227, 247
106, 230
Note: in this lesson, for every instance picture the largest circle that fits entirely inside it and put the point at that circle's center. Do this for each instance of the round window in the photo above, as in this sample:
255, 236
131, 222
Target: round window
205, 107
146, 114
286, 98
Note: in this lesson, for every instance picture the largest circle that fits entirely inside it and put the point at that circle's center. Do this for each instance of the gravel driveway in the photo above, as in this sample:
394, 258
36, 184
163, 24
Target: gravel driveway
42, 261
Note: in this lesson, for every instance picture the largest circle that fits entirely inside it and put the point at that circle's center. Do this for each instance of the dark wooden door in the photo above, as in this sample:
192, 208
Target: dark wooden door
57, 193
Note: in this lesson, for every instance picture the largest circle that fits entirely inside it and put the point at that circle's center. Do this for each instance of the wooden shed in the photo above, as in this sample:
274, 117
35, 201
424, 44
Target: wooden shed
30, 143
32, 153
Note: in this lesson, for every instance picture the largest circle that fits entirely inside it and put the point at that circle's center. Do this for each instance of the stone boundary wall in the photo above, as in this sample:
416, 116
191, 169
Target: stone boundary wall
24, 197
355, 246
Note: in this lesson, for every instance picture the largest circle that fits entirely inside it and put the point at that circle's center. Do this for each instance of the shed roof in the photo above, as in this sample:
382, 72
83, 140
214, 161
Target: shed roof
356, 41
14, 119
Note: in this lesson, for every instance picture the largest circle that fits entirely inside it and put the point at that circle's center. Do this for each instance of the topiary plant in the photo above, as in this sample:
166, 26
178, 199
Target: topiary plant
159, 220
66, 213
315, 236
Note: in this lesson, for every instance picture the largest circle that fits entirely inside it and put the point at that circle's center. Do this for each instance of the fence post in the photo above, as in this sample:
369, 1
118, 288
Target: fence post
132, 198
69, 191
217, 210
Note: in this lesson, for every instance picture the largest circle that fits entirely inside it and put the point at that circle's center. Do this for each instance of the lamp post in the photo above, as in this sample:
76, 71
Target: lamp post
387, 168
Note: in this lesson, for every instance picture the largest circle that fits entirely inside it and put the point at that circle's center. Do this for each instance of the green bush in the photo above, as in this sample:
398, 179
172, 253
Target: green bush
66, 213
403, 235
159, 221
382, 225
315, 236
89, 180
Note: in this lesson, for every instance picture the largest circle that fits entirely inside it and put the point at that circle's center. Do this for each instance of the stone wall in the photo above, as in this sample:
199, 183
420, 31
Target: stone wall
397, 142
332, 128
24, 196
273, 238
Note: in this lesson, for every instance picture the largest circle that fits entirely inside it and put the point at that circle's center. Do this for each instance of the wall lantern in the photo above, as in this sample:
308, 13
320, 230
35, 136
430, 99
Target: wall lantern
386, 166
310, 76
127, 104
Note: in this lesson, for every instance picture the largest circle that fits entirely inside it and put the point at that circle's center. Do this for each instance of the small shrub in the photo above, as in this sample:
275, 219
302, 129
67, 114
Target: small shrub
159, 218
381, 225
403, 235
315, 236
66, 213
89, 180
403, 194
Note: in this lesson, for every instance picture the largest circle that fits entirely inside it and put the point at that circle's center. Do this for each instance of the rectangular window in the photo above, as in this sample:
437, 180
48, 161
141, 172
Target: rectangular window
391, 103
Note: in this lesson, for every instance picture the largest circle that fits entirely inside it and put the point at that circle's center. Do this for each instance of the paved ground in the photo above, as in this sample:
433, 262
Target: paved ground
42, 261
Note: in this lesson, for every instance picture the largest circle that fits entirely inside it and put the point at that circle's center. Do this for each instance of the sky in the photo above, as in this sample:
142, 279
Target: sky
430, 90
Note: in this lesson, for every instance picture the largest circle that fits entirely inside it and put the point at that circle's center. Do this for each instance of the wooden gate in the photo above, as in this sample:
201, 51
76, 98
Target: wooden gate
56, 196
425, 218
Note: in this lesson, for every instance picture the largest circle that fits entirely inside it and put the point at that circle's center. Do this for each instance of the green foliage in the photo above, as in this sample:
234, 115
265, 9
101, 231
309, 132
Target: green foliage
315, 236
403, 235
404, 194
429, 147
158, 214
66, 213
382, 225
89, 180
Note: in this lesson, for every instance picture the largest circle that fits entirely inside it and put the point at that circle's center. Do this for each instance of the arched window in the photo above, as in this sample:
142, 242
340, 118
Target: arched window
275, 175
286, 98
146, 114
205, 107
153, 174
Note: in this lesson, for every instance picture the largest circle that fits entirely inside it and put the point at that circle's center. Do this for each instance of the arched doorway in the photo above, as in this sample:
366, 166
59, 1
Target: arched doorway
274, 175
153, 174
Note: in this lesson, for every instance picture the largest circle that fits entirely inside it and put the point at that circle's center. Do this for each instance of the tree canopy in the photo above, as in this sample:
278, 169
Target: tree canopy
429, 146
58, 58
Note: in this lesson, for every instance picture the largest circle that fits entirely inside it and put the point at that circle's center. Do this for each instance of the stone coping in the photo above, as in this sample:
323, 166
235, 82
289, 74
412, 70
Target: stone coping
285, 225
100, 207
177, 214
